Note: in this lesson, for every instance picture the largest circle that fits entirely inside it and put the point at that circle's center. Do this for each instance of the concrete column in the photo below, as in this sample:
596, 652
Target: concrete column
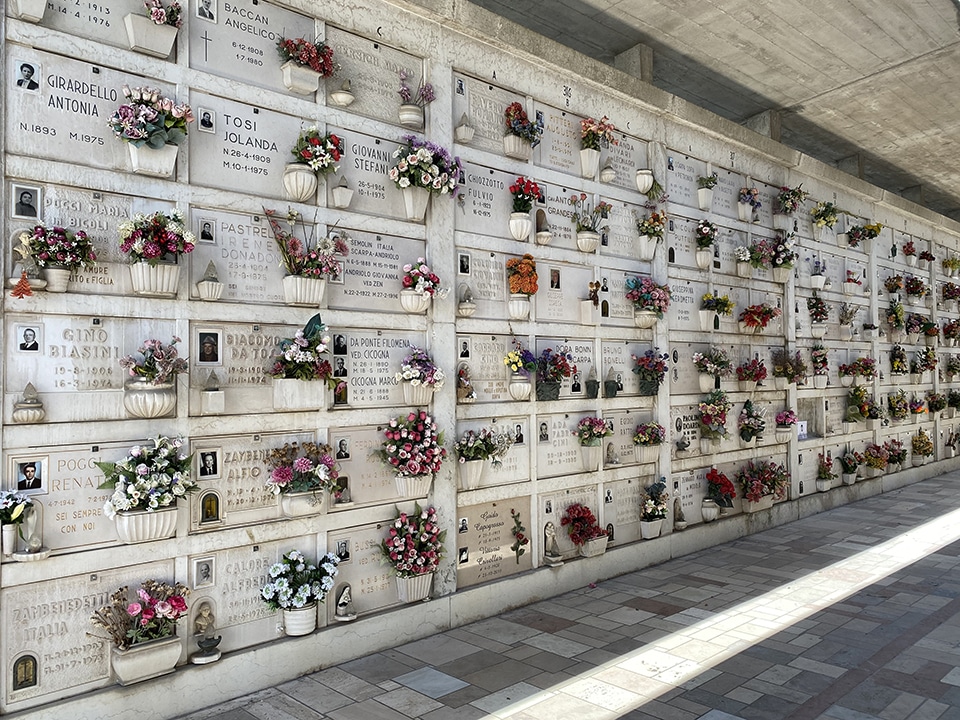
637, 61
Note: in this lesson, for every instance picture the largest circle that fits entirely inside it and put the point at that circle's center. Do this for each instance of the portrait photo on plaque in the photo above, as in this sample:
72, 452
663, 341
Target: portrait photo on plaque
208, 463
343, 550
25, 201
463, 263
29, 338
206, 227
340, 367
204, 572
206, 120
340, 344
463, 526
342, 446
207, 10
544, 434
29, 474
26, 75
208, 346
464, 346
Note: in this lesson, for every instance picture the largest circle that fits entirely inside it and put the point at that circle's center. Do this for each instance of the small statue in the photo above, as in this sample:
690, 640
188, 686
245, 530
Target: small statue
679, 521
465, 391
205, 625
551, 553
594, 293
213, 382
345, 611
210, 274
683, 444
29, 409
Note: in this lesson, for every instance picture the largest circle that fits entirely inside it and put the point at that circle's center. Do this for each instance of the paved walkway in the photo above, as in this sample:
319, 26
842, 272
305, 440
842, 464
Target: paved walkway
849, 615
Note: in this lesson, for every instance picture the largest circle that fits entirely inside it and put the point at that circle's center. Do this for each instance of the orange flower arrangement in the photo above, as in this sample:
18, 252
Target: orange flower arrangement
522, 274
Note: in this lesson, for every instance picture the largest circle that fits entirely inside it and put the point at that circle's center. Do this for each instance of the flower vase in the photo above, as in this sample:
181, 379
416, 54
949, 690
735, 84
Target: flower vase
783, 434
592, 455
650, 529
303, 291
744, 212
160, 280
417, 395
414, 302
28, 10
151, 162
143, 399
9, 538
644, 319
817, 282
411, 116
470, 473
295, 394
594, 546
301, 504
819, 381
415, 588
145, 36
415, 201
648, 247
644, 181
823, 485
747, 385
518, 306
704, 257
300, 621
709, 510
299, 182
818, 329
520, 226
910, 260
137, 526
780, 383
589, 162
57, 277
708, 382
781, 275
783, 222
516, 147
646, 454
928, 340
764, 503
848, 478
851, 288
706, 320
146, 660
705, 199
209, 290
519, 387
548, 390
588, 241
413, 486
744, 270
543, 237
300, 79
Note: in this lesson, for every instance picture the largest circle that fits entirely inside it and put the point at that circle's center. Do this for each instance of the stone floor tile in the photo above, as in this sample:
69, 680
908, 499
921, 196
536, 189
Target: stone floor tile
464, 712
282, 707
558, 645
367, 710
430, 682
484, 643
408, 702
511, 699
550, 681
346, 684
500, 630
930, 710
503, 674
314, 694
743, 695
375, 668
464, 696
564, 706
778, 674
901, 708
439, 649
472, 663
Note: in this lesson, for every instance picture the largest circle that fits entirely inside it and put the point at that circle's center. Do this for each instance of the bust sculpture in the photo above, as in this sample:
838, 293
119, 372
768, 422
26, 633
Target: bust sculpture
204, 626
345, 611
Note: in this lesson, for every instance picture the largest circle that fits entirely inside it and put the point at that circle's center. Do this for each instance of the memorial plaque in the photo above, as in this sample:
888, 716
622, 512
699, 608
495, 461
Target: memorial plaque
372, 272
621, 238
554, 505
562, 287
66, 116
560, 147
725, 246
246, 148
681, 239
484, 105
238, 39
246, 256
621, 510
372, 582
50, 620
617, 356
484, 541
681, 184
836, 271
684, 376
75, 354
615, 309
726, 193
807, 472
365, 165
558, 452
516, 465
625, 159
685, 422
484, 203
101, 21
373, 70
684, 312
559, 214
691, 488
370, 365
583, 357
485, 274
484, 359
369, 479
835, 409
624, 426
69, 481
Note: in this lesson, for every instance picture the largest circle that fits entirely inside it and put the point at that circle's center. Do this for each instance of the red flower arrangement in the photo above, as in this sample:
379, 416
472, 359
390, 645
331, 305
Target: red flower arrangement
412, 445
754, 370
315, 55
581, 524
525, 191
720, 488
759, 316
762, 477
414, 545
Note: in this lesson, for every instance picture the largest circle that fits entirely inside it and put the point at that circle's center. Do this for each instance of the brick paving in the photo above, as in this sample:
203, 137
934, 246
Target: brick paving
852, 614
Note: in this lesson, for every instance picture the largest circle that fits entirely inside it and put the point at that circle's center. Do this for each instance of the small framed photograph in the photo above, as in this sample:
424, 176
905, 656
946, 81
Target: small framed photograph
208, 344
464, 345
207, 10
554, 278
339, 344
342, 446
29, 338
463, 263
463, 526
28, 474
340, 367
26, 201
206, 120
343, 550
208, 463
26, 75
204, 572
206, 229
